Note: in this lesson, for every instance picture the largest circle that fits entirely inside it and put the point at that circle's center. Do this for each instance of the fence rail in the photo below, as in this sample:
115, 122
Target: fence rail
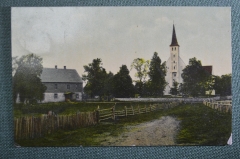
223, 106
111, 113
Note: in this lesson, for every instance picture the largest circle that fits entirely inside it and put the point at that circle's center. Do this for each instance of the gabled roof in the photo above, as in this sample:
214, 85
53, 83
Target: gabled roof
208, 69
60, 75
174, 38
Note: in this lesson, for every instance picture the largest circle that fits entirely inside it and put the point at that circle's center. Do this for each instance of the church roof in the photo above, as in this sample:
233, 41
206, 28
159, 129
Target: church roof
60, 75
208, 69
174, 38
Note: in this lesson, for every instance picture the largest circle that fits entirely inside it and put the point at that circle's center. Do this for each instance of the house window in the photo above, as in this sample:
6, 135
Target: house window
175, 48
77, 96
173, 61
173, 55
172, 48
174, 67
55, 96
56, 86
76, 86
174, 74
68, 86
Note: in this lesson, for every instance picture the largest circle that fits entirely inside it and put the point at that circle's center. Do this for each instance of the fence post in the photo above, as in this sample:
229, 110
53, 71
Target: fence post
113, 112
125, 110
97, 114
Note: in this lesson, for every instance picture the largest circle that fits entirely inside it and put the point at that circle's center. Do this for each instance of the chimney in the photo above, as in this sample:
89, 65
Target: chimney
64, 67
55, 66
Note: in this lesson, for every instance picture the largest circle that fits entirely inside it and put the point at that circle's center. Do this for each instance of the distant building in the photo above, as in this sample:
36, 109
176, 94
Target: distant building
62, 84
174, 64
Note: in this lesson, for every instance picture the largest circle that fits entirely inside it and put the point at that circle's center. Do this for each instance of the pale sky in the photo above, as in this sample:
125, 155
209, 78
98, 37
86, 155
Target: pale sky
74, 36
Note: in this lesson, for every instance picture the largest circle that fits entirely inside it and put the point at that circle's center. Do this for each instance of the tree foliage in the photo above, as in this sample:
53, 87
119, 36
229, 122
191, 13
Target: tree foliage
142, 68
157, 73
26, 81
223, 84
95, 77
174, 90
122, 83
196, 80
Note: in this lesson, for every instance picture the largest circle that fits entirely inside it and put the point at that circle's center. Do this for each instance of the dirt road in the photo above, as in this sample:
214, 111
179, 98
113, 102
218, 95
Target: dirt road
155, 133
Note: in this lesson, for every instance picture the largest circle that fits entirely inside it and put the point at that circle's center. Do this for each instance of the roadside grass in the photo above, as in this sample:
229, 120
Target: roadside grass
199, 125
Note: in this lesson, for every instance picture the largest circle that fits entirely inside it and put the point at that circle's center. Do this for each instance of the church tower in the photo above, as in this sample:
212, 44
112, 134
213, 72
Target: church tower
174, 55
174, 64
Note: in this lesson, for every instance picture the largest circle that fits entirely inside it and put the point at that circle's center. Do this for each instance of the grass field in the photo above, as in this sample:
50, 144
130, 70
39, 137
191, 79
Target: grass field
200, 125
63, 108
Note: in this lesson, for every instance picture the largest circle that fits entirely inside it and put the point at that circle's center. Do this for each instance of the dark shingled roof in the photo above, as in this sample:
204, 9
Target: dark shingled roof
60, 75
174, 38
208, 69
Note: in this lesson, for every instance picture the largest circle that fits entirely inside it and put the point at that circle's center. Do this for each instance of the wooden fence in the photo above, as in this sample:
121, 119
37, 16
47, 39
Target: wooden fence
33, 127
112, 113
223, 106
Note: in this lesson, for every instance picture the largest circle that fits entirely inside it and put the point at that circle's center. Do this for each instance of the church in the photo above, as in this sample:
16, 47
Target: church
174, 64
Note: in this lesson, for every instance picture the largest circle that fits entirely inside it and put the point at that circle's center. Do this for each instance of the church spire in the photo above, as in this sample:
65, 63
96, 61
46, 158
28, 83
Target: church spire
174, 38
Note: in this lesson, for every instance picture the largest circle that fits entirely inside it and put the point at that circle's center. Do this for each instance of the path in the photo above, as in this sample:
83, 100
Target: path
155, 133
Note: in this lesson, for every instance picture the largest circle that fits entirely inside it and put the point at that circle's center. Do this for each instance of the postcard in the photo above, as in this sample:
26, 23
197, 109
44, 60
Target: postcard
121, 76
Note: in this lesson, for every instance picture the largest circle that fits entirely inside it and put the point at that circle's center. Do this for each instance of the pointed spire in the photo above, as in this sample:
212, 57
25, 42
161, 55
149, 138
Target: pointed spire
174, 38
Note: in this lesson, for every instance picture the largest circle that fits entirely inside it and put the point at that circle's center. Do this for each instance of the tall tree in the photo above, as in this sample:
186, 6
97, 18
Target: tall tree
95, 78
26, 81
195, 78
142, 67
223, 84
157, 73
122, 83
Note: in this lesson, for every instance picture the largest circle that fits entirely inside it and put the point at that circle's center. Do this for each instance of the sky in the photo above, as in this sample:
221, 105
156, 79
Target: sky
74, 36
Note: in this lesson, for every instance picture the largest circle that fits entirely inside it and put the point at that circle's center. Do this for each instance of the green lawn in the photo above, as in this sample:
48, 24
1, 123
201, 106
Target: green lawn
200, 125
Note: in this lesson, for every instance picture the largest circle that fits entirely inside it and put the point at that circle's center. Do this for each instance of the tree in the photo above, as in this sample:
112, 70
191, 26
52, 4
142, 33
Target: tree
122, 83
26, 81
142, 67
196, 79
157, 73
174, 90
95, 78
108, 85
223, 84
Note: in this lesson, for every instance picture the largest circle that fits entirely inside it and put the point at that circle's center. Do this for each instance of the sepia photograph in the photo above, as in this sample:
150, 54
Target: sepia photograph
121, 76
